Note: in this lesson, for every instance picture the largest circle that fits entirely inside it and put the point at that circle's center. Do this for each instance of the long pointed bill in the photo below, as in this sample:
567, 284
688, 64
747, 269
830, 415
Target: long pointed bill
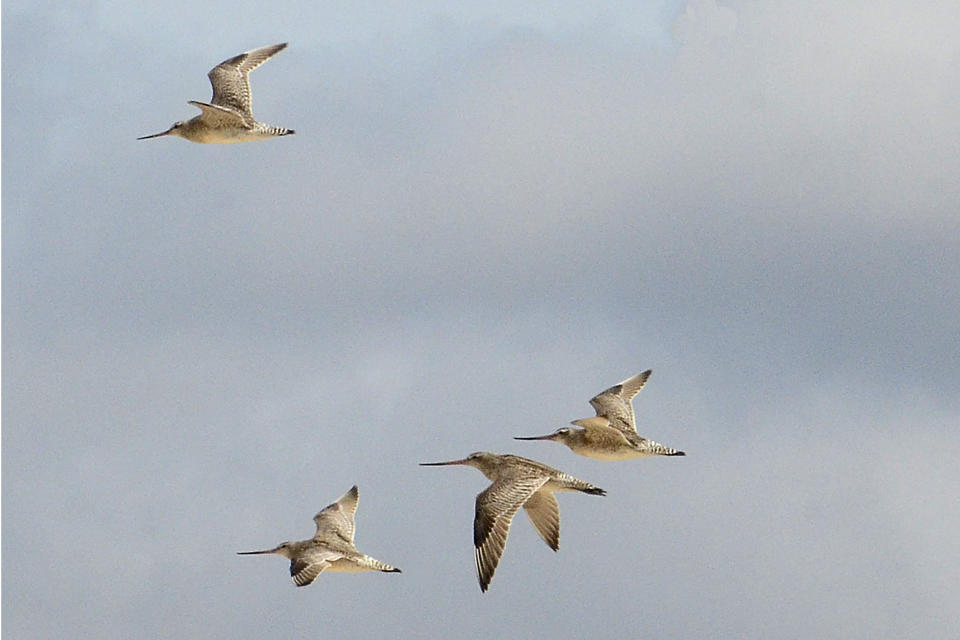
549, 436
440, 464
157, 135
256, 553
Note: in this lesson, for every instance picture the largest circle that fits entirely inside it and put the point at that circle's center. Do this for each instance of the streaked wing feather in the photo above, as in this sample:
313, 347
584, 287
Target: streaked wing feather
219, 117
544, 513
304, 569
230, 82
615, 405
337, 520
495, 508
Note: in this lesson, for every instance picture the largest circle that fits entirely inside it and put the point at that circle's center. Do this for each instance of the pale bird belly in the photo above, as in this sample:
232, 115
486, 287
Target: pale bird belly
343, 565
225, 136
609, 453
606, 444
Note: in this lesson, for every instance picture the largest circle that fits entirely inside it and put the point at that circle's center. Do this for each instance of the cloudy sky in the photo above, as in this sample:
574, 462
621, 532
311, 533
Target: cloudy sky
487, 215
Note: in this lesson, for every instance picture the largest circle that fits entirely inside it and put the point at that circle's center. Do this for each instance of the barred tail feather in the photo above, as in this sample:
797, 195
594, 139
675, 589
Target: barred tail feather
651, 448
375, 565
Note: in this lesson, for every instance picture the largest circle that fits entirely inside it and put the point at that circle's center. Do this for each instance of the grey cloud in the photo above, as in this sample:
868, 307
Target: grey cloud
481, 222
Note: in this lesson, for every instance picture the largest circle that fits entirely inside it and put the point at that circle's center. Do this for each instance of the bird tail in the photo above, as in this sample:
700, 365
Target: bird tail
569, 483
594, 491
372, 564
651, 448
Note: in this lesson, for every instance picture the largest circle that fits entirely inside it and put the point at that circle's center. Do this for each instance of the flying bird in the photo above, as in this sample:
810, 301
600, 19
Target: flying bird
612, 433
331, 548
228, 117
517, 482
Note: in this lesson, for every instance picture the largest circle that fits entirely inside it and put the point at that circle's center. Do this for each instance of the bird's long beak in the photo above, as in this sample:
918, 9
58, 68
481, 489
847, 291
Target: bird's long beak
157, 135
255, 553
549, 436
440, 464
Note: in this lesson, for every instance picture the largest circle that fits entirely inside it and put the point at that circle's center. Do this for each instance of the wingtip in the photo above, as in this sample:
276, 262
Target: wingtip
352, 494
595, 491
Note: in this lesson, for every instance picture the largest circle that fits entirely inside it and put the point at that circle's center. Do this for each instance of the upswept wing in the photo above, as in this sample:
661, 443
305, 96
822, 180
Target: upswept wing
615, 405
336, 521
230, 81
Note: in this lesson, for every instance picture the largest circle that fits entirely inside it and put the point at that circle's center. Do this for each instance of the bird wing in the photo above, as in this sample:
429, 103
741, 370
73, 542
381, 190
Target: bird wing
614, 403
544, 513
305, 568
219, 117
496, 506
336, 520
230, 81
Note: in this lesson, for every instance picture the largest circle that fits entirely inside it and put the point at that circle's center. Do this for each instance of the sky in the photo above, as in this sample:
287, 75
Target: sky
487, 215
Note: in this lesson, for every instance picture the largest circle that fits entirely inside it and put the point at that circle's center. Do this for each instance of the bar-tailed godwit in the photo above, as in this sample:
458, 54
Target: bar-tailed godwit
612, 433
331, 548
517, 482
228, 117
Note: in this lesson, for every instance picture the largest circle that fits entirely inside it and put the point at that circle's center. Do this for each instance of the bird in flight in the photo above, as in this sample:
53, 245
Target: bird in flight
331, 548
228, 117
612, 433
517, 482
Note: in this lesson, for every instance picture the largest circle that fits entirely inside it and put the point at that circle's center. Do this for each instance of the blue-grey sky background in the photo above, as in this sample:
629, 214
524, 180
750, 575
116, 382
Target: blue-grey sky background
488, 214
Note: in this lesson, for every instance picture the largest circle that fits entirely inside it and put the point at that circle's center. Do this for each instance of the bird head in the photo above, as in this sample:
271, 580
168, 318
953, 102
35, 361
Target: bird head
562, 435
283, 549
175, 129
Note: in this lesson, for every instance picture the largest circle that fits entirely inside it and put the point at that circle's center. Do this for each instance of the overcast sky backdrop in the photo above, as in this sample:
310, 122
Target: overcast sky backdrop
488, 214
